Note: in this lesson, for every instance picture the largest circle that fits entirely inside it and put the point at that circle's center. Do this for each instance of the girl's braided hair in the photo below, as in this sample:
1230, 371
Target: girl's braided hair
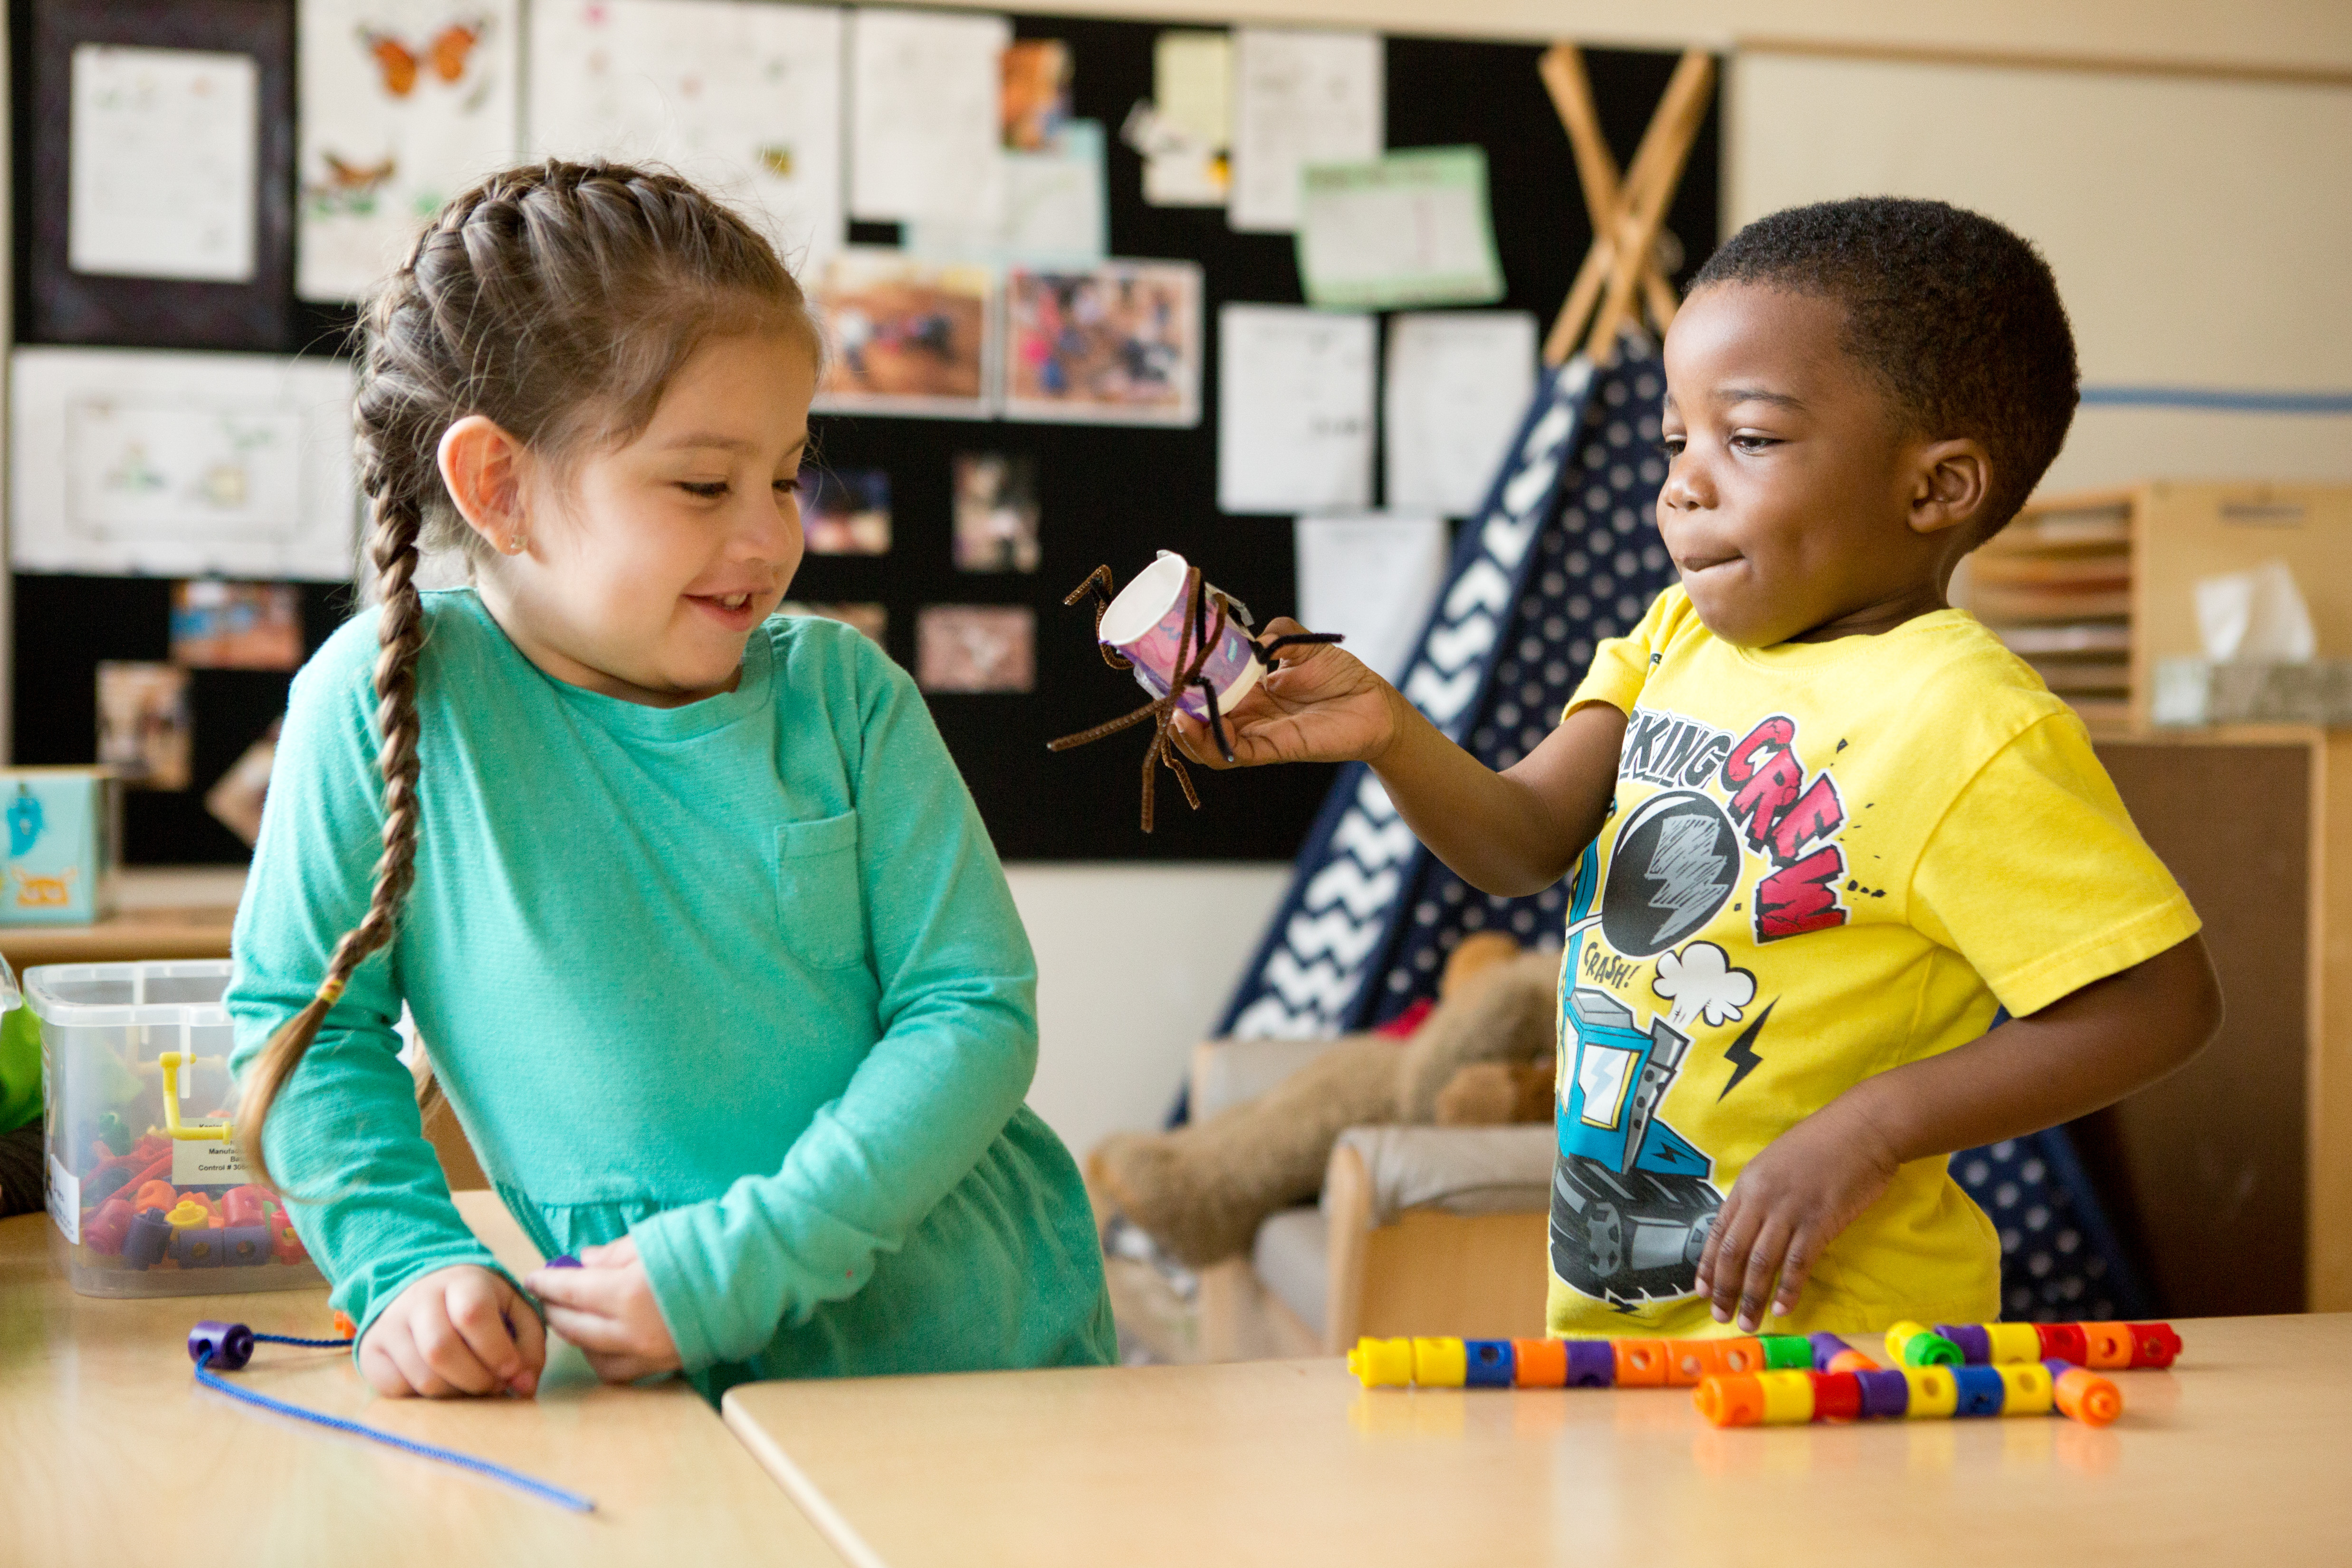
557, 299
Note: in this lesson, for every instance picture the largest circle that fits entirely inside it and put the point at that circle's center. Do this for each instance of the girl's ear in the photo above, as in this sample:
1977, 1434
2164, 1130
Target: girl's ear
482, 466
1953, 479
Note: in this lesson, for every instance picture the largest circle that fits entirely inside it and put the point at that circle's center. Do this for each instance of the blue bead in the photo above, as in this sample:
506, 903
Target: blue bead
1487, 1364
1981, 1390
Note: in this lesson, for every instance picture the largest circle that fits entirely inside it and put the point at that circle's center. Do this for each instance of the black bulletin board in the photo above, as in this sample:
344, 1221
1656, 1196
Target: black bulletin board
1108, 494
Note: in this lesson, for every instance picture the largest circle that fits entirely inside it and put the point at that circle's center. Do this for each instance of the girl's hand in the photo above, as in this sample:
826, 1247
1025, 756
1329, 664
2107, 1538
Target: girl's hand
1319, 705
607, 1307
462, 1330
1791, 1201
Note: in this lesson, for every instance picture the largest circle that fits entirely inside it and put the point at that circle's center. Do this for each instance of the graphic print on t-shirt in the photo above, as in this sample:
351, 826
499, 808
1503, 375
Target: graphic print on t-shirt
1632, 1200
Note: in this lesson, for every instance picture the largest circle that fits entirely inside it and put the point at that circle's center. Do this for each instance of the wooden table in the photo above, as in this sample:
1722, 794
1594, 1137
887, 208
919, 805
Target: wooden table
166, 933
115, 1456
2238, 1457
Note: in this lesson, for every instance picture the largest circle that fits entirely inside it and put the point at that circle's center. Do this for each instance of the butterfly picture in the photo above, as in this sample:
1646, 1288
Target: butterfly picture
445, 54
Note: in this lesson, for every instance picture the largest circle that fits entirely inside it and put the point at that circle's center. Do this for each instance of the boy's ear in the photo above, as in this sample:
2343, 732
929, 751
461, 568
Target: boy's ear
1952, 480
482, 466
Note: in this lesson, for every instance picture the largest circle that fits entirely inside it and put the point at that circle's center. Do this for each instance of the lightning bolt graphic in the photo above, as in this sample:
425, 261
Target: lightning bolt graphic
1686, 867
1743, 1060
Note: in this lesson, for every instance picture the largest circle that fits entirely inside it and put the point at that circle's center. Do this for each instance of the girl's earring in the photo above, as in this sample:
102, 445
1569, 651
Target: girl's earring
514, 545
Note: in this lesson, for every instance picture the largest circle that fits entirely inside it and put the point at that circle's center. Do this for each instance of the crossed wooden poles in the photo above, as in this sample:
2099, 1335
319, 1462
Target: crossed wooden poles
1626, 214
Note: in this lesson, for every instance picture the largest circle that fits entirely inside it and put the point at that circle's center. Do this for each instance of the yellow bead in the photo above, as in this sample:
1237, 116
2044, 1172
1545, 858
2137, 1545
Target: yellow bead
1439, 1362
1933, 1392
1382, 1363
2013, 1343
2025, 1388
1788, 1397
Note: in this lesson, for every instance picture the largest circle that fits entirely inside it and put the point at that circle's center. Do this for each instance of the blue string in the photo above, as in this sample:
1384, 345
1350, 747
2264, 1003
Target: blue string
539, 1489
312, 1344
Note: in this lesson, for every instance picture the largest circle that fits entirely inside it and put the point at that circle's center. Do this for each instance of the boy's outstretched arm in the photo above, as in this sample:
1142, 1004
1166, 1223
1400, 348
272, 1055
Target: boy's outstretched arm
2084, 1051
1512, 833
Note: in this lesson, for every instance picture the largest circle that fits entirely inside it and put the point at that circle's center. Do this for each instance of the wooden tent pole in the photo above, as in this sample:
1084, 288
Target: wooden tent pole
1667, 143
1562, 69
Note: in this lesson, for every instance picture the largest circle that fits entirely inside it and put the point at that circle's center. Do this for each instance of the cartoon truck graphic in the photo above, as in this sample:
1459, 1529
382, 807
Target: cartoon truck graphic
1631, 1205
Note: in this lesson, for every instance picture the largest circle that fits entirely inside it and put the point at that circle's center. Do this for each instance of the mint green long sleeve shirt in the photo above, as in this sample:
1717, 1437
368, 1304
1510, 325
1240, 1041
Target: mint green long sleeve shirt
741, 980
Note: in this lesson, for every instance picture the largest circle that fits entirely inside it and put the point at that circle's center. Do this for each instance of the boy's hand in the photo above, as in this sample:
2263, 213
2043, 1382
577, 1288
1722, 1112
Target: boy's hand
1790, 1202
607, 1307
462, 1330
1319, 705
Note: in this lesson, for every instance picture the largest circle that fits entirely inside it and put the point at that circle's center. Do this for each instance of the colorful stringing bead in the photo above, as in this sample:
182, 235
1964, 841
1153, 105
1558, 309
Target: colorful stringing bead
1539, 1364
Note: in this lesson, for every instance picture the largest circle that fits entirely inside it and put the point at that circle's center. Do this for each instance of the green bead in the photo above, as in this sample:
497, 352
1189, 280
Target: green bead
1930, 1350
1786, 1353
113, 1134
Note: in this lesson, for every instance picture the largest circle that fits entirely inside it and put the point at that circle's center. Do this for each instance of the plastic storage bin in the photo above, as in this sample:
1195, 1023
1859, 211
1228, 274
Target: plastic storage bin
148, 1192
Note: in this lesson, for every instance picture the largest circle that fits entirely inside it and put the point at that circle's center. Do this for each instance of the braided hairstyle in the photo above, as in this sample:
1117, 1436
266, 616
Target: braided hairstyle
557, 299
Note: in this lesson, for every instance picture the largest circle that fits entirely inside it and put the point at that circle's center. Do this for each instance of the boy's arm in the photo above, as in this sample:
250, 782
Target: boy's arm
2081, 1052
1512, 833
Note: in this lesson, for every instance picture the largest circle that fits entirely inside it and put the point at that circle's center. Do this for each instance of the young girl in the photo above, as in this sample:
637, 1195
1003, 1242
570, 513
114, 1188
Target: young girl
711, 951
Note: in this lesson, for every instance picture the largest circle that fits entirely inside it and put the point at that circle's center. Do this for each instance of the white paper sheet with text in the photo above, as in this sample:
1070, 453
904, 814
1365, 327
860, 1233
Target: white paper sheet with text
1371, 579
1299, 98
163, 153
924, 139
1456, 387
1295, 409
742, 97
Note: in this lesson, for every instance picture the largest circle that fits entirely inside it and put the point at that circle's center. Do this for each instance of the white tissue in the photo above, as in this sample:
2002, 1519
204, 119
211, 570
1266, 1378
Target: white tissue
2257, 614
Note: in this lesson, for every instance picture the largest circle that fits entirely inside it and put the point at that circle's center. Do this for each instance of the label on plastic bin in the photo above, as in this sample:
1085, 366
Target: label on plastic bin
206, 1163
65, 1199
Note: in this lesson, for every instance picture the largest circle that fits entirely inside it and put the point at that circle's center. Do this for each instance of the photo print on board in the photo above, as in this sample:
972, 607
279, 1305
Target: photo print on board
146, 731
1114, 344
904, 335
874, 620
976, 648
235, 626
845, 511
996, 512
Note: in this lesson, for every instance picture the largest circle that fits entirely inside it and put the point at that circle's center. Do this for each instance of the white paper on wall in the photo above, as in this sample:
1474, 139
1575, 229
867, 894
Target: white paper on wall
1300, 98
925, 137
1457, 383
1294, 409
163, 153
1371, 579
742, 97
134, 461
403, 105
1054, 209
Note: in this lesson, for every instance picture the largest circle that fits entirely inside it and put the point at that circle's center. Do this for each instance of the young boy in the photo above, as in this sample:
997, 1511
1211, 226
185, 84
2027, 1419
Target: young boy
1822, 826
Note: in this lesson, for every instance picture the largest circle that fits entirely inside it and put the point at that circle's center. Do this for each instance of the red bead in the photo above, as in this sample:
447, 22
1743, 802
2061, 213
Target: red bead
1837, 1396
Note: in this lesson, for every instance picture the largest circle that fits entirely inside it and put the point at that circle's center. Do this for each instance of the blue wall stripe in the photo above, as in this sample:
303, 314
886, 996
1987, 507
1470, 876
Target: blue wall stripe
2217, 399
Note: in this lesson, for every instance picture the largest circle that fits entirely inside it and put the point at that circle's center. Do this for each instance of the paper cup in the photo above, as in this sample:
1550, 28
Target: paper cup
1145, 624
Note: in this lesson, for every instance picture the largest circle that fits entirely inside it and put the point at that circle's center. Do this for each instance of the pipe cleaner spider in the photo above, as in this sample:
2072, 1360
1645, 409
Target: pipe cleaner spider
1206, 612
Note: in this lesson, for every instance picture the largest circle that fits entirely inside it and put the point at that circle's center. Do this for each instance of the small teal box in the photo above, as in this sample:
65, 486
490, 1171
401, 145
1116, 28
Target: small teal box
65, 833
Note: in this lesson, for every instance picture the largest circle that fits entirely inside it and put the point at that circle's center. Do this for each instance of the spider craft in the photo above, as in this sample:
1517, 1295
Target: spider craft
1203, 618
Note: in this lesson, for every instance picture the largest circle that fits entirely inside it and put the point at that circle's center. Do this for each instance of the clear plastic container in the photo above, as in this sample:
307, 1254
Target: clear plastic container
150, 1195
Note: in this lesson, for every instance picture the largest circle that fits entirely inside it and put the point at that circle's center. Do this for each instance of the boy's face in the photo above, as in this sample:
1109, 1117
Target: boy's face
1797, 505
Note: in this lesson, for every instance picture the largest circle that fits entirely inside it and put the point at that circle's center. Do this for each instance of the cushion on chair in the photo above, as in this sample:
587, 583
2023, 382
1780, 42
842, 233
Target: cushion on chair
1463, 1170
1290, 1259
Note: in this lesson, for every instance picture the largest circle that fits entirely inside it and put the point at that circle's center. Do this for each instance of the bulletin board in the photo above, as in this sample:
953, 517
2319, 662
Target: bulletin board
1108, 494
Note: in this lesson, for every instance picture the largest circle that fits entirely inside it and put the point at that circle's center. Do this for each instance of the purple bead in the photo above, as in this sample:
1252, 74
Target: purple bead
566, 1262
230, 1344
1592, 1363
1884, 1392
1976, 1345
1826, 1348
149, 1240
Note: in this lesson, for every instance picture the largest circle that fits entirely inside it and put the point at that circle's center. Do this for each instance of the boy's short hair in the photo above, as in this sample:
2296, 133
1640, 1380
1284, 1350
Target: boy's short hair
1957, 317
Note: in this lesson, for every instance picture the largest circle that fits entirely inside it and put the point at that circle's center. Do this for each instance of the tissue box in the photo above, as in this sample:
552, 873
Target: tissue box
2253, 691
64, 831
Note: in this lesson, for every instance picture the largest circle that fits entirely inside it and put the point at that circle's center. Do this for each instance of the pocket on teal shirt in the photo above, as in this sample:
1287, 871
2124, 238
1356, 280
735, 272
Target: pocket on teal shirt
819, 900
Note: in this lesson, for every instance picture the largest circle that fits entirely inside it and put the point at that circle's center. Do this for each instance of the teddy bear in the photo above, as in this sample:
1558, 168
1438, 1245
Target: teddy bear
1482, 1054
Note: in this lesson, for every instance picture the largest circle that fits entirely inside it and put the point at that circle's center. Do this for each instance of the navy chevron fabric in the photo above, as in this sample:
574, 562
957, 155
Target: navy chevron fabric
1564, 553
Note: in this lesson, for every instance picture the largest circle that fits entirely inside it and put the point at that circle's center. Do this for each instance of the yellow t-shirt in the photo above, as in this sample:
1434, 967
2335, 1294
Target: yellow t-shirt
1823, 861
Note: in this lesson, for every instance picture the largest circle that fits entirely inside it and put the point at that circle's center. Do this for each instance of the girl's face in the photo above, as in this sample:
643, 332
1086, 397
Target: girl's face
645, 568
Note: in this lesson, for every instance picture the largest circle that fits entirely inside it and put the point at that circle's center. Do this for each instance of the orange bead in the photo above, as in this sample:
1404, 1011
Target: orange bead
2109, 1344
1641, 1363
1539, 1364
2088, 1397
1732, 1399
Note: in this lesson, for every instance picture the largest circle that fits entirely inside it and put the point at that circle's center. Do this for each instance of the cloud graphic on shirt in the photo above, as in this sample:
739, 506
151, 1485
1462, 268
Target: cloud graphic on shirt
1700, 982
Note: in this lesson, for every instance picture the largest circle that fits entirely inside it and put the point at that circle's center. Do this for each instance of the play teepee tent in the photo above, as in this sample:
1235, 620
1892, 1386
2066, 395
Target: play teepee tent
1564, 553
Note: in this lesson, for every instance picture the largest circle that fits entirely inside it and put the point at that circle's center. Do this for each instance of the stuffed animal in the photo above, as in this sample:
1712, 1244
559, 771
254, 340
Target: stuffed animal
1201, 1190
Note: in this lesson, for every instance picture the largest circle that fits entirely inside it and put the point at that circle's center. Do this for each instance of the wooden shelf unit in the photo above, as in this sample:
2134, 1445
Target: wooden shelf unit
2093, 588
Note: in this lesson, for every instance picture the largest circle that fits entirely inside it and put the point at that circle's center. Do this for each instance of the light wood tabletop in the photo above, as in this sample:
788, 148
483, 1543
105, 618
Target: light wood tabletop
115, 1456
2238, 1456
